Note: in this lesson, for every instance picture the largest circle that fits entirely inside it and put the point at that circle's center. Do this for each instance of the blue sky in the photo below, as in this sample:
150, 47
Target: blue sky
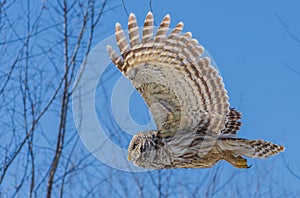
256, 46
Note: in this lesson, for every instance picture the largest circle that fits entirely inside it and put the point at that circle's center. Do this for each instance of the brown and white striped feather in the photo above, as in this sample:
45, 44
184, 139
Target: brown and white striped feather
232, 124
250, 148
183, 91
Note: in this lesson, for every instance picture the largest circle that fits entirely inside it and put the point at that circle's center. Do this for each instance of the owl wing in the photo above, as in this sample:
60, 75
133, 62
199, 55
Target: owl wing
181, 88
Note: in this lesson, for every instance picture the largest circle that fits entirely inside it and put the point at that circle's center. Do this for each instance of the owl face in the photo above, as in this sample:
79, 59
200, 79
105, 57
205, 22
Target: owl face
134, 148
141, 146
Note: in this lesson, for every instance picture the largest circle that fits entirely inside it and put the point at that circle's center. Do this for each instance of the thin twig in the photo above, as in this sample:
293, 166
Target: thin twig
287, 28
151, 10
292, 69
289, 169
127, 13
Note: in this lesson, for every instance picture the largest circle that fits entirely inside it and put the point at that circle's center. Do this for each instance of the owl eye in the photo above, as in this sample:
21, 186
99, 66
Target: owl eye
134, 146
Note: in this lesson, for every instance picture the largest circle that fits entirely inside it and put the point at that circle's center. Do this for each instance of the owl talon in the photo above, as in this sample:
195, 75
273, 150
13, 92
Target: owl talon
242, 163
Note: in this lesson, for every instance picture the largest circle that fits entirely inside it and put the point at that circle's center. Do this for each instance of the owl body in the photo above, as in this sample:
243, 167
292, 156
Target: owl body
196, 128
149, 151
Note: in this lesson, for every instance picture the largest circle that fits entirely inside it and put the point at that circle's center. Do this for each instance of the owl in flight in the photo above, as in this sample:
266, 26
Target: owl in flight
196, 128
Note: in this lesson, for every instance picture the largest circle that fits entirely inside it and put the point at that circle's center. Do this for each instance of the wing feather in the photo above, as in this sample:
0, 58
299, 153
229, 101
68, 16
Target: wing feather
183, 91
148, 28
133, 31
121, 40
232, 124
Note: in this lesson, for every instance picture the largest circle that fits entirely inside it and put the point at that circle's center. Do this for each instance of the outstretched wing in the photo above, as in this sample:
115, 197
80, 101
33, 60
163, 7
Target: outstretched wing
183, 91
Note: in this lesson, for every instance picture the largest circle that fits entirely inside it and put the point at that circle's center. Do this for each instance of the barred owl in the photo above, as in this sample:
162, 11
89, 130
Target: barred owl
196, 128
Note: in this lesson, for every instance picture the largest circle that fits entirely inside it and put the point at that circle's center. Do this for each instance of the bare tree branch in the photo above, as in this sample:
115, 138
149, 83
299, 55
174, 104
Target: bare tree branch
125, 9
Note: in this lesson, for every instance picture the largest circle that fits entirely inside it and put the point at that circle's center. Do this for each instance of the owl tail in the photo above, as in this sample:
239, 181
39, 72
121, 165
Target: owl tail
250, 148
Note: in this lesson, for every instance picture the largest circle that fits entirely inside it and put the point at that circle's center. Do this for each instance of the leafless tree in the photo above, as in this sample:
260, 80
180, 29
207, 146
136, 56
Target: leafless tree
42, 47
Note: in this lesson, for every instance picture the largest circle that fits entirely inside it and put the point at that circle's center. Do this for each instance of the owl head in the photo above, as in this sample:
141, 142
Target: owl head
134, 148
140, 145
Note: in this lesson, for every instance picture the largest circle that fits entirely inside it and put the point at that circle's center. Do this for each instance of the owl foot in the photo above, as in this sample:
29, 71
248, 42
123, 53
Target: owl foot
236, 161
241, 163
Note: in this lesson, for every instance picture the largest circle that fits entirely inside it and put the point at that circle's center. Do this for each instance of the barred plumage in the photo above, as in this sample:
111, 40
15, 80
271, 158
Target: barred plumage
232, 124
187, 98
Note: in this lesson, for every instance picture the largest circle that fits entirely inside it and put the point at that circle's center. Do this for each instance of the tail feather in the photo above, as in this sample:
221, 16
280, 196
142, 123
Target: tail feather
250, 148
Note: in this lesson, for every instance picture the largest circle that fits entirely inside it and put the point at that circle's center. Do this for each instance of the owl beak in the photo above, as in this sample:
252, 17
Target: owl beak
128, 158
